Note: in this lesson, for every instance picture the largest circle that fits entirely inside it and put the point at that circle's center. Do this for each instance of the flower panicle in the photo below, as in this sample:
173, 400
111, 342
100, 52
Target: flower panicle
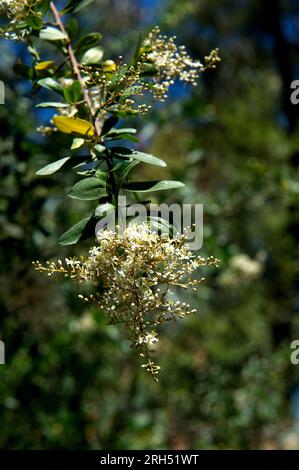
173, 62
134, 275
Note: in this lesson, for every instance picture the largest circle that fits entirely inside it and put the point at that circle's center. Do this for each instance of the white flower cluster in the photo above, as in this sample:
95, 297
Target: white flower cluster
172, 62
160, 63
17, 11
133, 274
150, 339
12, 7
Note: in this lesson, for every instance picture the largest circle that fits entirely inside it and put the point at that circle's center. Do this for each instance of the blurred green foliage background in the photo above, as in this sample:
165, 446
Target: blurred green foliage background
70, 381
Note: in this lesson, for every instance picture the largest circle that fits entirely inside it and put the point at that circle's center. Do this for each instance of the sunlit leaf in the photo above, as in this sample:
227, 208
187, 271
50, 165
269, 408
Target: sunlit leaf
70, 125
140, 156
52, 167
77, 143
52, 34
92, 56
51, 84
52, 104
44, 65
124, 130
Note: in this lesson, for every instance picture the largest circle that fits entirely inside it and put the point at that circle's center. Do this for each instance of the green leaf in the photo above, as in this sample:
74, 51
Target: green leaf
77, 143
80, 231
117, 134
80, 161
68, 162
72, 28
76, 90
109, 123
45, 7
32, 50
73, 92
88, 41
149, 186
88, 189
52, 167
139, 156
100, 148
52, 34
124, 173
74, 6
102, 175
51, 104
87, 168
34, 21
124, 130
68, 95
129, 137
92, 56
138, 46
51, 84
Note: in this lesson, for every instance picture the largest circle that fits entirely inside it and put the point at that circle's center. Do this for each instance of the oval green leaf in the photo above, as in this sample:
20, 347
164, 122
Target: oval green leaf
88, 189
51, 84
92, 56
52, 34
139, 156
52, 104
52, 167
81, 230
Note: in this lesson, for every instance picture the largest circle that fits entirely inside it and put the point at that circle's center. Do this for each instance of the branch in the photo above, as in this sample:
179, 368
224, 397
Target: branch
76, 70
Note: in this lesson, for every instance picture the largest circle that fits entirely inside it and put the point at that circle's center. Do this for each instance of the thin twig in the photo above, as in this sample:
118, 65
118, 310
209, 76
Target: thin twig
76, 70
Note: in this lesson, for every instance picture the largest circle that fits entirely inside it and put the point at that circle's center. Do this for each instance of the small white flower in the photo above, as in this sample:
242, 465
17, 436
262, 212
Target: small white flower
149, 339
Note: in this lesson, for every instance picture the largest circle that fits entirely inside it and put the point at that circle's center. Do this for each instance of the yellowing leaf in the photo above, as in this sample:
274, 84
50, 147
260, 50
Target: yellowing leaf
44, 65
70, 125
